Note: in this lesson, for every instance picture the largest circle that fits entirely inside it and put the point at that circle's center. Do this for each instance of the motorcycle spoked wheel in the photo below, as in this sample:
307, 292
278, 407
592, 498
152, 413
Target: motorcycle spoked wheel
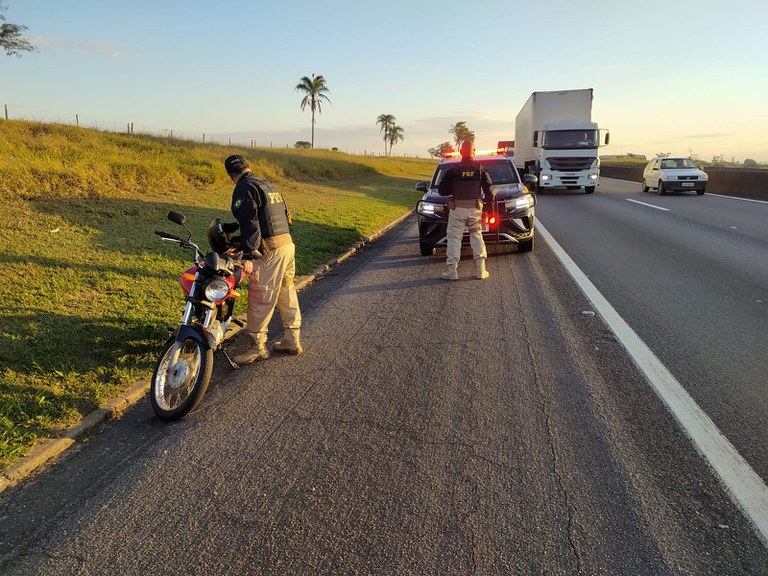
176, 390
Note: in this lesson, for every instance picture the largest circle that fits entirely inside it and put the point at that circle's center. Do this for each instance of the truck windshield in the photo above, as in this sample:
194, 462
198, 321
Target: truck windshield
570, 139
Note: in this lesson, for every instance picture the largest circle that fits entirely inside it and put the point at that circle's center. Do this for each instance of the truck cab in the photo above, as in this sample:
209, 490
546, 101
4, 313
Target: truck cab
568, 156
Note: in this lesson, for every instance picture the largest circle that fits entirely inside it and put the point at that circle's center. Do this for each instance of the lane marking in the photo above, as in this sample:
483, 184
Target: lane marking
644, 204
737, 198
744, 485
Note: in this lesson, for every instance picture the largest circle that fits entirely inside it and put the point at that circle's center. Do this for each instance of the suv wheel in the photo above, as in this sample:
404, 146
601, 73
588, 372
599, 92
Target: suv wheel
700, 192
589, 189
526, 246
662, 191
426, 249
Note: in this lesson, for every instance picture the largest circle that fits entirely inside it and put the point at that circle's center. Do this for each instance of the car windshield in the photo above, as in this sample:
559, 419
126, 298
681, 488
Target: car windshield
678, 163
559, 139
500, 170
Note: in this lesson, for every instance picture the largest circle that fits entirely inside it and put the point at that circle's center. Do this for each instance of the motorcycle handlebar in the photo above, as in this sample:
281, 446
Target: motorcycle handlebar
168, 235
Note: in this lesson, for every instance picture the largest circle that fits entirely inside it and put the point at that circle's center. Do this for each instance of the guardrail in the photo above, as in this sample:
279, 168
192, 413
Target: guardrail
740, 182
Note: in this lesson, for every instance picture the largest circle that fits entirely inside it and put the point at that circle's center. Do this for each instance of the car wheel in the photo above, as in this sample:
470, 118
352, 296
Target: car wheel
700, 192
662, 191
426, 249
589, 189
526, 246
645, 188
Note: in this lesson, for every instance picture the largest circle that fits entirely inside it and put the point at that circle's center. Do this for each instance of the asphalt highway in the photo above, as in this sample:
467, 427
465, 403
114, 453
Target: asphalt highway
690, 275
471, 427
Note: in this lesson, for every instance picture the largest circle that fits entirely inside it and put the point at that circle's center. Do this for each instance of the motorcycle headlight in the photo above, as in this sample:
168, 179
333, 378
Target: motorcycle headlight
216, 290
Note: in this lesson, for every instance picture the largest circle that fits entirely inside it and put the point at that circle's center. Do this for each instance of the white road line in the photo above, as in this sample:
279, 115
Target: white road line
737, 198
649, 205
746, 488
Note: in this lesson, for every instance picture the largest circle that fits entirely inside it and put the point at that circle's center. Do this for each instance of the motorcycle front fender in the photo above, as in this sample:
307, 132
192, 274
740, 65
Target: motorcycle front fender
186, 331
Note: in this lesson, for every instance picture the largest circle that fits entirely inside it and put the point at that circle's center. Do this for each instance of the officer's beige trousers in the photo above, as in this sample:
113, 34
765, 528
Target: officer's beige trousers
458, 219
271, 286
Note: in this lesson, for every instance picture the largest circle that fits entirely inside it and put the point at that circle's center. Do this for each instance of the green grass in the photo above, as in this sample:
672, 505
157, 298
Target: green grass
89, 290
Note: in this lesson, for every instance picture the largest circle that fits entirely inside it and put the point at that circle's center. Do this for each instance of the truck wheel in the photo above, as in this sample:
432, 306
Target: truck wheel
426, 249
662, 191
700, 192
645, 188
589, 189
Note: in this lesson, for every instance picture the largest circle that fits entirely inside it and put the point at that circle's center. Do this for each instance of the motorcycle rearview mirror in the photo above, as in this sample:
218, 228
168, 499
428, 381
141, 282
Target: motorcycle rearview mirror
177, 217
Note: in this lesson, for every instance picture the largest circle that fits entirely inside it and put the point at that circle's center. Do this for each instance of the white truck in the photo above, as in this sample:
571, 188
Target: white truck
556, 140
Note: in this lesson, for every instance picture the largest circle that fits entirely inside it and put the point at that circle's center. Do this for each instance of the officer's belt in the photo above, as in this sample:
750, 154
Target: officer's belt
465, 203
277, 241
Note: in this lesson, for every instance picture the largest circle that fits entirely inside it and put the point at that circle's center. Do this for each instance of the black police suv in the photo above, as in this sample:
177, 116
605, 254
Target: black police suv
507, 219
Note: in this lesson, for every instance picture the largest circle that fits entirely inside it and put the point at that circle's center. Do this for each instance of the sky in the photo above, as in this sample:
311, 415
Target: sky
684, 77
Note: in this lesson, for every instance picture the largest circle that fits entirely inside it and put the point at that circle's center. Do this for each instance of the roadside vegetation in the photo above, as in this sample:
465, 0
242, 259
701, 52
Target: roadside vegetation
90, 290
716, 162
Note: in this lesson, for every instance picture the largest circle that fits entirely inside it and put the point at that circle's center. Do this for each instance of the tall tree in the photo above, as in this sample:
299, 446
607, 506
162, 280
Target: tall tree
440, 150
386, 121
461, 133
314, 90
10, 37
395, 136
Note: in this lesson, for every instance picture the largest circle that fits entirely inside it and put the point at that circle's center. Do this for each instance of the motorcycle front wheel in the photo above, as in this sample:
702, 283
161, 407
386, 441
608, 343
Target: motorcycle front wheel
177, 387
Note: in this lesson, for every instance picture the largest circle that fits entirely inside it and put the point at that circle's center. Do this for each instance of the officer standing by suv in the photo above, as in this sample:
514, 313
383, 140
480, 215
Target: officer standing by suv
464, 183
268, 258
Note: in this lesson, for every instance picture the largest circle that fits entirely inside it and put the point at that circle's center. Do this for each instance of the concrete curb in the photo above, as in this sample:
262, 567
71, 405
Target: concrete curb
113, 408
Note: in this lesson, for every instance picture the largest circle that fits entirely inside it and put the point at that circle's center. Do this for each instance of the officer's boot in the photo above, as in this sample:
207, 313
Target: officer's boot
290, 344
451, 272
480, 270
256, 350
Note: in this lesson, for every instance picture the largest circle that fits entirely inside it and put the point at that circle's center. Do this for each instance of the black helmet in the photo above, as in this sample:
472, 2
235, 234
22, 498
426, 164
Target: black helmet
218, 240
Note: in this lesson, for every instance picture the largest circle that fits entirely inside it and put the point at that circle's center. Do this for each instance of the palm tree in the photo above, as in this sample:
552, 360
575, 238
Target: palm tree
395, 136
314, 90
387, 122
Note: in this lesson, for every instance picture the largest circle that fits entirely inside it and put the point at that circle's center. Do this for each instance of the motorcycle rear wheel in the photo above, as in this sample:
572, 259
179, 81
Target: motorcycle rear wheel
176, 390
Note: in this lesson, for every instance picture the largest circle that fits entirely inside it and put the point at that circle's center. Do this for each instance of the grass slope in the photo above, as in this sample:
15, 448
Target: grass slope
89, 289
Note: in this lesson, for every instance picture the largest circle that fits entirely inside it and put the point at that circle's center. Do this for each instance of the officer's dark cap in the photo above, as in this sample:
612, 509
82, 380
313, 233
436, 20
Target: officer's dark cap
235, 164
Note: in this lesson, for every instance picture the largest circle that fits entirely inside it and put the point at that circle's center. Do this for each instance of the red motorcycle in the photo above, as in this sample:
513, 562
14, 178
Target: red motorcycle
184, 369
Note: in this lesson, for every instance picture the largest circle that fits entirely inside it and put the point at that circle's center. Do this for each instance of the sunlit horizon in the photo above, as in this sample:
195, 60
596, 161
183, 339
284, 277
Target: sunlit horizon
191, 72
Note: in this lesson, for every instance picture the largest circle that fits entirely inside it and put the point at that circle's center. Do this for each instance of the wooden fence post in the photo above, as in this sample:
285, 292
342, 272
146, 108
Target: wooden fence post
77, 120
6, 111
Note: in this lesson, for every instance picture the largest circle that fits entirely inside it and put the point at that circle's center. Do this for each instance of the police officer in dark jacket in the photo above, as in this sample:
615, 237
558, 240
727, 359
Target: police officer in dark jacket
465, 183
269, 257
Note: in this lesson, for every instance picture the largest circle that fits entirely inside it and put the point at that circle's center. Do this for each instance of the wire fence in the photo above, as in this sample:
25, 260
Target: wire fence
129, 128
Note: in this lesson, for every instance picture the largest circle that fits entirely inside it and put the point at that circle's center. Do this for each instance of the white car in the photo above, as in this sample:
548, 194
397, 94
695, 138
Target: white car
674, 175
